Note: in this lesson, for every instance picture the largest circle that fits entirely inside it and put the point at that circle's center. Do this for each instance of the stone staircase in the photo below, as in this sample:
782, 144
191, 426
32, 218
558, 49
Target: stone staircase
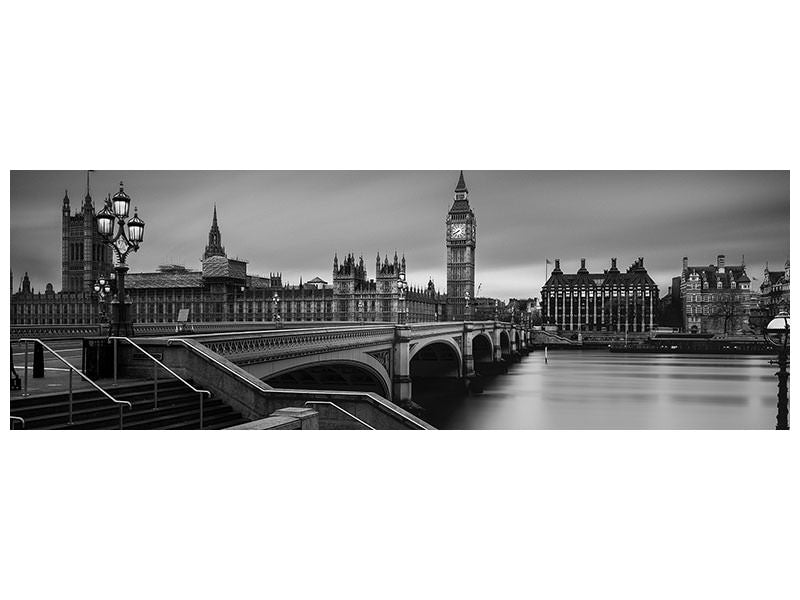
178, 408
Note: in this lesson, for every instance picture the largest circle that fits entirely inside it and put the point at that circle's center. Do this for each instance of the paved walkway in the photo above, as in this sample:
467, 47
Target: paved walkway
56, 374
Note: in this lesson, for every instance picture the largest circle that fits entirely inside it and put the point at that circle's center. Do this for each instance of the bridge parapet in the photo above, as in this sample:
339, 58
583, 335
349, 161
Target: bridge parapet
261, 346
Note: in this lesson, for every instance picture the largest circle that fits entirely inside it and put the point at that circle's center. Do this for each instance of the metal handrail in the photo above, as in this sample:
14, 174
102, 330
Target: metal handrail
337, 407
20, 419
386, 404
156, 364
71, 369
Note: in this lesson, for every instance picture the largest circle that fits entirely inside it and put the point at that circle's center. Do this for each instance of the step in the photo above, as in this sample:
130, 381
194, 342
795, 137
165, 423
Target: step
100, 403
151, 419
120, 393
59, 413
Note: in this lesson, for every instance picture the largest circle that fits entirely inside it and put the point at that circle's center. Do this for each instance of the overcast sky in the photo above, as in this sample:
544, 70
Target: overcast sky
293, 222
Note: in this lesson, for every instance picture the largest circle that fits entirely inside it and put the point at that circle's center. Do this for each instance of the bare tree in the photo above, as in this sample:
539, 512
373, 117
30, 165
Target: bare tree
727, 309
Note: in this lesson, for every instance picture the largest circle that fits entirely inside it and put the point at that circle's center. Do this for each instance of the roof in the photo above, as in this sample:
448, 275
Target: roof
221, 266
190, 279
712, 275
317, 280
462, 185
635, 275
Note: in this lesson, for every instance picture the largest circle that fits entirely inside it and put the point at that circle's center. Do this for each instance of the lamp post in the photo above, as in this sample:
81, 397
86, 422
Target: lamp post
103, 288
402, 288
777, 334
116, 212
466, 306
496, 310
276, 317
361, 310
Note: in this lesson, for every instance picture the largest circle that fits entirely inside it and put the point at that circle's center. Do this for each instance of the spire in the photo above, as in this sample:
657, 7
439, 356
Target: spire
214, 247
462, 186
88, 198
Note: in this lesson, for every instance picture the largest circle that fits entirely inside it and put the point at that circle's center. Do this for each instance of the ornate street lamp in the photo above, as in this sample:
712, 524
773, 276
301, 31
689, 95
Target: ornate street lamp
466, 306
361, 310
777, 334
103, 288
402, 288
276, 317
116, 211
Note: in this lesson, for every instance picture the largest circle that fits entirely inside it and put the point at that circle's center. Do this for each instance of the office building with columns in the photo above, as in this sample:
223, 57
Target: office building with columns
610, 301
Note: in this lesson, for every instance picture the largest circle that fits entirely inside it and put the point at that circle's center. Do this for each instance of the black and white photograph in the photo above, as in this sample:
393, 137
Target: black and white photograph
359, 300
400, 300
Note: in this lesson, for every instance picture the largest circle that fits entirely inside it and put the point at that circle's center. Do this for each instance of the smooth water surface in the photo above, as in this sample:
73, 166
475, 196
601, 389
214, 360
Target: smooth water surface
595, 389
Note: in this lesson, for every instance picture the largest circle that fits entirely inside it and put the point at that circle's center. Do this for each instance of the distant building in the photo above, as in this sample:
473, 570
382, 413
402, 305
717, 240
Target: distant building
607, 301
223, 291
358, 298
775, 290
715, 298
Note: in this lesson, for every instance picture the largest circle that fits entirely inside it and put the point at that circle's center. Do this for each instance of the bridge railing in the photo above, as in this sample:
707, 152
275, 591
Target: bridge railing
249, 346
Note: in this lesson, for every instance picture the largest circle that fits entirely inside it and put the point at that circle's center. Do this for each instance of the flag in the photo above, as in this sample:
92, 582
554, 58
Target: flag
549, 262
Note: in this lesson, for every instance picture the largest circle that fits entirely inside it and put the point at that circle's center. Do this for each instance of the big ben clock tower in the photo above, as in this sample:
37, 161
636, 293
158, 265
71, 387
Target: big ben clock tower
460, 238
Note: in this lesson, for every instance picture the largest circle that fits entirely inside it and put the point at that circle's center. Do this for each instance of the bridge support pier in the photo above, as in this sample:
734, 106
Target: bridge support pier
401, 367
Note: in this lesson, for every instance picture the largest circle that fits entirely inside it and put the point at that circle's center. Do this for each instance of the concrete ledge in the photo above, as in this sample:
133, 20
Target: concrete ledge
285, 418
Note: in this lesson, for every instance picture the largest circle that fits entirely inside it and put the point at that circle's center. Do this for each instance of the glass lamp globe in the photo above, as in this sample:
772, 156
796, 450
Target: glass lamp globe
136, 228
777, 332
121, 203
96, 287
105, 222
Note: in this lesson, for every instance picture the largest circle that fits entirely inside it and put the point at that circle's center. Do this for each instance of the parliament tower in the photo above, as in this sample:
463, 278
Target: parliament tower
84, 256
460, 238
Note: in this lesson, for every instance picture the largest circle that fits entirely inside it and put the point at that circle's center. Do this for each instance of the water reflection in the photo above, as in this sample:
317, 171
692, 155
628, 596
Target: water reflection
595, 389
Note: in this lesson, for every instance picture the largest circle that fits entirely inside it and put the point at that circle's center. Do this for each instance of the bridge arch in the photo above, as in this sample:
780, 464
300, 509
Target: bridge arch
482, 350
345, 375
505, 344
439, 357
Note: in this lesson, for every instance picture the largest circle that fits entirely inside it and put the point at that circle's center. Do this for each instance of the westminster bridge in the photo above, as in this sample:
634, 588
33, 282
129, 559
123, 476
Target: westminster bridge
367, 369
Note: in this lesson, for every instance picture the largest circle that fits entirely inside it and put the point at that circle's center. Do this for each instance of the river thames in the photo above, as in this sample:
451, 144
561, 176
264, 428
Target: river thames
595, 389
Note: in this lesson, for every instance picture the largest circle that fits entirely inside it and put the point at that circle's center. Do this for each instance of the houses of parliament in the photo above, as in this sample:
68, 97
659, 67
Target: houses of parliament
223, 291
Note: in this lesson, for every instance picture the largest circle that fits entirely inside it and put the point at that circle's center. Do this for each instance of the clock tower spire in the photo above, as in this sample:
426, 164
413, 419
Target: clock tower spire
460, 238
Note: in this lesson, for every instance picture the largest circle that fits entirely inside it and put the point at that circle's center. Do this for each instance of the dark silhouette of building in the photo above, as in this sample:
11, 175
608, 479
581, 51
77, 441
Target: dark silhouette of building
607, 301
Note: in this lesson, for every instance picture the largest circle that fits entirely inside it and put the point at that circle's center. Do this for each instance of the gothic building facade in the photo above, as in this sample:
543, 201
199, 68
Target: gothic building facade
358, 298
84, 256
607, 301
223, 291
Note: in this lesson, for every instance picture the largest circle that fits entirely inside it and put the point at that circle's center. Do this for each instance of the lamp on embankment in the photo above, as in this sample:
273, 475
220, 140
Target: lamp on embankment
777, 334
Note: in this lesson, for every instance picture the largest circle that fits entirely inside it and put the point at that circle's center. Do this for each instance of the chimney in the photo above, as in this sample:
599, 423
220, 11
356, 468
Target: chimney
583, 264
558, 265
721, 262
613, 263
641, 261
685, 262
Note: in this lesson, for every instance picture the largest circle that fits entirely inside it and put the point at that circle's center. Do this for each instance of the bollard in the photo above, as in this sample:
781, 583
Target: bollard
38, 361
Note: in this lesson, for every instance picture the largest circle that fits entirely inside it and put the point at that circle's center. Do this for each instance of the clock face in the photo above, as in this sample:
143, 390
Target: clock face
458, 231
